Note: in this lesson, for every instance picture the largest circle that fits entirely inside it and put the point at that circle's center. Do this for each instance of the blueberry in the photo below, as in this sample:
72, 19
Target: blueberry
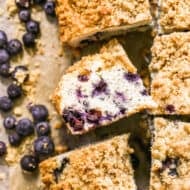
24, 127
5, 103
20, 69
5, 70
170, 108
14, 139
39, 112
3, 39
4, 56
3, 148
42, 128
83, 78
49, 8
44, 146
9, 122
14, 47
29, 39
39, 1
23, 3
24, 15
99, 88
33, 27
93, 116
131, 77
29, 163
14, 91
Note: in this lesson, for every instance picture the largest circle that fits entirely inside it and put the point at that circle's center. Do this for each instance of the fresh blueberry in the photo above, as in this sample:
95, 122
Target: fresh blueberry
42, 128
3, 148
39, 2
93, 116
23, 3
33, 27
99, 88
24, 15
29, 163
5, 70
43, 146
29, 39
131, 77
14, 139
14, 91
83, 78
25, 127
49, 8
9, 122
5, 103
20, 69
39, 112
3, 39
4, 56
14, 47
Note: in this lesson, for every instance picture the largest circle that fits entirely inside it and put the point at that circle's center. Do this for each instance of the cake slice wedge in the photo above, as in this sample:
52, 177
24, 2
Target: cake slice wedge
100, 89
105, 165
81, 21
170, 155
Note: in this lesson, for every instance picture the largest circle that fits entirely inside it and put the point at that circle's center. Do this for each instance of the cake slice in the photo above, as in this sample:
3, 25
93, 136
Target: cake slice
170, 70
104, 166
174, 14
100, 89
170, 155
81, 21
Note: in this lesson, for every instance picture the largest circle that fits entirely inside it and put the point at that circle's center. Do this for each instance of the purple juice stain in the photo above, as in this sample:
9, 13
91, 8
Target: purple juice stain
144, 92
120, 95
170, 108
93, 116
131, 77
83, 78
99, 88
79, 94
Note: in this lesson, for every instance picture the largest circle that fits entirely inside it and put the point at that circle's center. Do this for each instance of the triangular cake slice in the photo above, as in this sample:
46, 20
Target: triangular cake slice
100, 89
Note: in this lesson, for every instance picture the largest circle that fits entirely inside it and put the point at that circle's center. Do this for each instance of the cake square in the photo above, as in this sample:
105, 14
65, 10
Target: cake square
105, 165
100, 89
170, 71
170, 155
83, 20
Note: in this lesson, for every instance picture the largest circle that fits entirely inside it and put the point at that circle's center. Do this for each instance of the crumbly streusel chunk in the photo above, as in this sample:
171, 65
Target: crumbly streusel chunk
170, 68
170, 155
102, 166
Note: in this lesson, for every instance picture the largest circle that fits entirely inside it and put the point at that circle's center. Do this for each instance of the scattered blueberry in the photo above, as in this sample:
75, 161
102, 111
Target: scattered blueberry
39, 1
3, 148
24, 127
144, 92
49, 8
29, 39
24, 15
170, 108
14, 91
99, 88
131, 77
122, 110
93, 116
83, 78
29, 163
20, 69
9, 122
23, 3
43, 146
42, 128
5, 70
33, 27
14, 47
5, 103
39, 112
4, 56
14, 139
3, 39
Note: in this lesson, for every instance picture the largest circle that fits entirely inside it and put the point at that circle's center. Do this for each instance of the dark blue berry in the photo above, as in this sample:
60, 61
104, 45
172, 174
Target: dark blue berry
5, 70
4, 56
131, 77
9, 122
39, 112
99, 88
14, 91
25, 127
44, 146
14, 47
49, 8
5, 103
23, 3
33, 27
19, 69
3, 148
24, 15
29, 163
83, 78
3, 39
14, 139
42, 128
93, 116
29, 39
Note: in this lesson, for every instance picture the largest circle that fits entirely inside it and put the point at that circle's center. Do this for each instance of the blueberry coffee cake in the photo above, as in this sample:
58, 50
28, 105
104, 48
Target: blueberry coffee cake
83, 20
170, 70
105, 165
174, 14
100, 89
170, 155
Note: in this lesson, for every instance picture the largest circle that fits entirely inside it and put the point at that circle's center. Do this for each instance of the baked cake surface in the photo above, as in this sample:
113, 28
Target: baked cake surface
79, 20
104, 165
100, 89
170, 155
170, 70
